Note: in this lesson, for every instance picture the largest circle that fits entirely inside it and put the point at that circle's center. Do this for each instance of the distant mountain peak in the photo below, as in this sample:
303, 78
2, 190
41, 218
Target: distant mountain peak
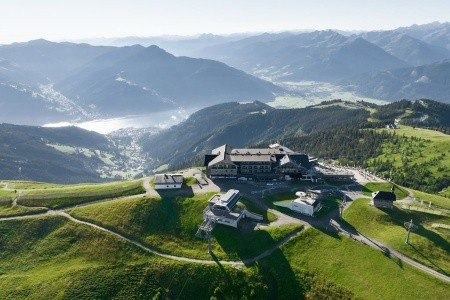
40, 42
157, 52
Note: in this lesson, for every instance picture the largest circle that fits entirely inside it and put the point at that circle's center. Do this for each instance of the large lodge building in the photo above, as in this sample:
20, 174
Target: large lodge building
259, 164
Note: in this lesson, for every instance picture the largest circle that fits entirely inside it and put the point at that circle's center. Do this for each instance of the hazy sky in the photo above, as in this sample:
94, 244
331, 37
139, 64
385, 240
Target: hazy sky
22, 20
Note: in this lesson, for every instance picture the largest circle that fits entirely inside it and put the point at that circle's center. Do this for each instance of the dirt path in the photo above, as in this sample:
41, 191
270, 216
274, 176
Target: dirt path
264, 254
328, 222
283, 219
386, 250
149, 190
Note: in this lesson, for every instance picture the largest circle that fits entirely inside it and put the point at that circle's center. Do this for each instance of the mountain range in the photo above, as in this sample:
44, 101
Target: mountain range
45, 82
318, 55
71, 154
66, 81
428, 81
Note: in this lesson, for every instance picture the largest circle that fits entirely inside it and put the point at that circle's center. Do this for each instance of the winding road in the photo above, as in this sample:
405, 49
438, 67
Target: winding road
328, 222
61, 213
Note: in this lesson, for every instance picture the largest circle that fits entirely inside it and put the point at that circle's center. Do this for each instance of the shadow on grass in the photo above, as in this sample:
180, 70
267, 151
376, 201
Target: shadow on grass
278, 272
185, 191
398, 217
243, 245
427, 259
352, 231
221, 268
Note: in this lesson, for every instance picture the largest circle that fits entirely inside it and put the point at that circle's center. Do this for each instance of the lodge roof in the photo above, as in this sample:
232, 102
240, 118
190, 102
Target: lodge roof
382, 195
168, 179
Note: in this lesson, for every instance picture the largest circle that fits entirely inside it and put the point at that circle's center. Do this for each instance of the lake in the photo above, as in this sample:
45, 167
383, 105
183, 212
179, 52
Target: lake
163, 119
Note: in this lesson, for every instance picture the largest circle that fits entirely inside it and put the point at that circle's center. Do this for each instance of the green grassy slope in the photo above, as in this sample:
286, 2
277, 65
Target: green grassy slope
419, 158
25, 185
364, 271
72, 195
169, 224
427, 245
8, 210
6, 194
370, 187
51, 258
436, 200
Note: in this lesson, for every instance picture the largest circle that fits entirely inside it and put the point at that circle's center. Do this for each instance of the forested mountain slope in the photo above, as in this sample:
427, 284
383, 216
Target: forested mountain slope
25, 153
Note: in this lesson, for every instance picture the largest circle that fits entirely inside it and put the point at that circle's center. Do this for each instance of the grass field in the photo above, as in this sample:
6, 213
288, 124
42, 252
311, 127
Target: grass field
72, 195
436, 200
314, 93
268, 216
270, 199
169, 224
17, 184
8, 210
427, 245
7, 195
366, 272
426, 154
370, 187
51, 258
434, 144
292, 102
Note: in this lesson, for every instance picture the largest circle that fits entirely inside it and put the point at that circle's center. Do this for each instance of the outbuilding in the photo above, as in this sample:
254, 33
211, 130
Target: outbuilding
306, 205
168, 181
383, 199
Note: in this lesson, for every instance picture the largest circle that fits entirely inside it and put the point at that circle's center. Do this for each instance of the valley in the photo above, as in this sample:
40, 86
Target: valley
267, 164
313, 93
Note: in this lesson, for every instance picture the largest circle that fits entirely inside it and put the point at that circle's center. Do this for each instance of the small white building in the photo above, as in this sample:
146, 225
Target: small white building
306, 203
306, 206
168, 181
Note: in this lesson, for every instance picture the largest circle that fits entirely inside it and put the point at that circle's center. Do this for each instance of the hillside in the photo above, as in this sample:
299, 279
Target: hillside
411, 50
144, 246
413, 157
319, 55
428, 81
67, 82
28, 152
435, 33
347, 132
224, 123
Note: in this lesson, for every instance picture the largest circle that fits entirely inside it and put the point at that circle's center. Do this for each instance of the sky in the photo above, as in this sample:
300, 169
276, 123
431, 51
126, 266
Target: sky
23, 20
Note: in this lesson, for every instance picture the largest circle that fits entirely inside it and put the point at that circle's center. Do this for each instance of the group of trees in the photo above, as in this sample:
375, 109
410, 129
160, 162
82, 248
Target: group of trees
383, 152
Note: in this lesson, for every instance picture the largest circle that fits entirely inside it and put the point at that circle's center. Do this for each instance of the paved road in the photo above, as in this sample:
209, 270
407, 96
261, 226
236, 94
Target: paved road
330, 222
385, 249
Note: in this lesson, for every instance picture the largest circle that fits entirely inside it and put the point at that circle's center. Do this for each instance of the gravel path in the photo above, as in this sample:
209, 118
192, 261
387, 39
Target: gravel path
264, 254
328, 222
